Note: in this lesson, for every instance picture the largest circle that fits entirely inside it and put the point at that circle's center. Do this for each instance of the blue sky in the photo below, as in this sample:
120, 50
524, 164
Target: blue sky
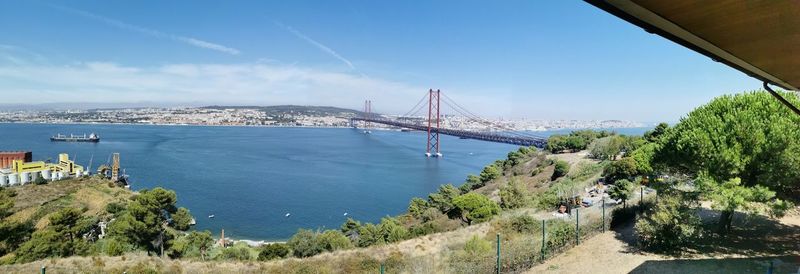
532, 59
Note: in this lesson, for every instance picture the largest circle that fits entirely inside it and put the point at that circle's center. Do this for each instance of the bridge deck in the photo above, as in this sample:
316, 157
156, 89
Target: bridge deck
497, 137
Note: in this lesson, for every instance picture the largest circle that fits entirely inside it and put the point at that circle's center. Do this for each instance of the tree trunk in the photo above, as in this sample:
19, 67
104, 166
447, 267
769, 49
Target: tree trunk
725, 220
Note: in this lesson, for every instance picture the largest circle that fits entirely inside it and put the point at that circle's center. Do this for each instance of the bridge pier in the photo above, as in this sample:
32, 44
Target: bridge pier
437, 154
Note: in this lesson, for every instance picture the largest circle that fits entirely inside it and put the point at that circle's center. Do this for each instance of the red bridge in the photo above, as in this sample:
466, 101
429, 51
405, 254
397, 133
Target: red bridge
433, 125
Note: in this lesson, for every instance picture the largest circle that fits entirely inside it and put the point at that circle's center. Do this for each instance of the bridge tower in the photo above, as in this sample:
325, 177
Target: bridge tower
432, 150
367, 115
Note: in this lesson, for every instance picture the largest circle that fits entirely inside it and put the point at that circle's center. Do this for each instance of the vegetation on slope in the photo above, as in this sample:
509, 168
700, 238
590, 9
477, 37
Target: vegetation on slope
64, 218
739, 152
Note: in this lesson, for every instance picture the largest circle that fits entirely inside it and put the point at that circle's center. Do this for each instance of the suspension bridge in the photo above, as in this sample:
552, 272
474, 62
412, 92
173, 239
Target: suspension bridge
434, 124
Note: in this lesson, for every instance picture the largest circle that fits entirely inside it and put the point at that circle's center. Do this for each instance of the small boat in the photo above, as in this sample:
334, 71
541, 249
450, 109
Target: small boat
345, 214
211, 216
287, 214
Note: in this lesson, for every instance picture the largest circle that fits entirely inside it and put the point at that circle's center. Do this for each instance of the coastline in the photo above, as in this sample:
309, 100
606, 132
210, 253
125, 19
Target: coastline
277, 126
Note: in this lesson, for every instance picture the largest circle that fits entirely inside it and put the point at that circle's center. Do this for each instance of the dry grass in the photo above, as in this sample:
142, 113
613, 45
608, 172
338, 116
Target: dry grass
36, 202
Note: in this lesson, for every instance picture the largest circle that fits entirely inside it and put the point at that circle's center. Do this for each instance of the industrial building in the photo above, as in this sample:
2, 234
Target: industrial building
22, 170
7, 157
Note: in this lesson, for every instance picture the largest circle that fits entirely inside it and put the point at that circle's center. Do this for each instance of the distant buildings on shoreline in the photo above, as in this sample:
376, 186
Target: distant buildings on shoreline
296, 116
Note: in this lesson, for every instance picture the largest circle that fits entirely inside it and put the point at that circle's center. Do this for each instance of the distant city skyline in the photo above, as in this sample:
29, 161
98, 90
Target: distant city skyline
556, 60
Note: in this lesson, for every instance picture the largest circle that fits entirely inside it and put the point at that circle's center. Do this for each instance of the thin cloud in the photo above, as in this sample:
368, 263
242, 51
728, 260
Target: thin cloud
19, 56
319, 45
151, 32
243, 83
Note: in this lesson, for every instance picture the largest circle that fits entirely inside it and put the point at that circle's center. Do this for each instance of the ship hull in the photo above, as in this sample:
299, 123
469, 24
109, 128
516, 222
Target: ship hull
83, 140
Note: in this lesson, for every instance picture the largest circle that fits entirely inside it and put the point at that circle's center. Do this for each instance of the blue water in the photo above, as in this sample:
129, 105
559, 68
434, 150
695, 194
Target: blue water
250, 177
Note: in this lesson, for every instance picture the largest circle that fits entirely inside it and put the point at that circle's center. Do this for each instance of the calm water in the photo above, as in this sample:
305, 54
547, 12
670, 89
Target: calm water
250, 177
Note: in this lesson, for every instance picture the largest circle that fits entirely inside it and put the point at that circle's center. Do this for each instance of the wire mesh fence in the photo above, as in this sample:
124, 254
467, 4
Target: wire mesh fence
518, 242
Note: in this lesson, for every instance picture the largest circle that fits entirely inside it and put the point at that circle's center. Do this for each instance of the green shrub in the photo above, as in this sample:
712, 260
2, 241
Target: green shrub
273, 251
559, 234
369, 234
443, 199
422, 229
561, 169
417, 206
182, 219
391, 230
547, 200
489, 173
40, 180
331, 240
672, 224
236, 252
476, 207
473, 182
192, 244
350, 229
622, 190
114, 247
304, 243
525, 224
114, 208
513, 195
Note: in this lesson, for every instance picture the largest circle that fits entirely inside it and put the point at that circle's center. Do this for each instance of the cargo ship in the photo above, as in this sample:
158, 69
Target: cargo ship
93, 138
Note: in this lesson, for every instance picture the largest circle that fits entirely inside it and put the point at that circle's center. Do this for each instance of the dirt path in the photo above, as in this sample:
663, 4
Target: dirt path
611, 252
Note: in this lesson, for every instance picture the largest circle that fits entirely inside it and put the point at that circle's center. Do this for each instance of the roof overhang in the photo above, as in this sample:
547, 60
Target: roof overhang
759, 37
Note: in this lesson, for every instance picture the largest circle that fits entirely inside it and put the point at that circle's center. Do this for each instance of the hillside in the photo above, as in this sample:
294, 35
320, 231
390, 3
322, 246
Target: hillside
445, 248
35, 203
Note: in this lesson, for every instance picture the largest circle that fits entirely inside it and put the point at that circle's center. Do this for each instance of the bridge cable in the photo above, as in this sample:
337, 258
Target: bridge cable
415, 109
508, 132
496, 125
477, 118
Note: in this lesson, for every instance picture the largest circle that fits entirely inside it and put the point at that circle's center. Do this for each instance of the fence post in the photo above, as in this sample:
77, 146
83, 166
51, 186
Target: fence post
577, 227
770, 269
544, 235
641, 196
498, 253
656, 197
604, 215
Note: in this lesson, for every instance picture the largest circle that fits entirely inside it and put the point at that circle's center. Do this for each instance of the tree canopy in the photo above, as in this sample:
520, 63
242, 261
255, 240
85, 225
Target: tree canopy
142, 224
476, 207
182, 219
744, 150
749, 136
